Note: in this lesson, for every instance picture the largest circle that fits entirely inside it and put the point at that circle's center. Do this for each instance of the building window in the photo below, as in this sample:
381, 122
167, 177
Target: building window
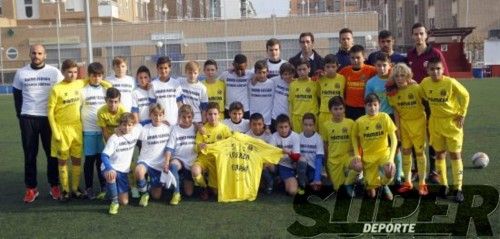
222, 53
28, 8
336, 6
74, 53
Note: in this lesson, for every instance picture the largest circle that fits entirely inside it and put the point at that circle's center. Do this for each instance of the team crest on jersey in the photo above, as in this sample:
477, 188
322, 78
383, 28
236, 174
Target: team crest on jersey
65, 93
250, 147
219, 137
411, 96
443, 92
308, 90
367, 127
337, 86
378, 126
430, 91
399, 97
219, 92
344, 130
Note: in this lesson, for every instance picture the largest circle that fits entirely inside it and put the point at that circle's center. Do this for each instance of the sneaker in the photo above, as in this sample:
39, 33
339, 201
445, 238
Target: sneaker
269, 190
386, 192
135, 192
176, 198
300, 191
459, 196
349, 189
30, 195
204, 195
423, 190
78, 194
113, 208
405, 187
90, 193
443, 191
144, 200
101, 195
433, 177
55, 192
65, 196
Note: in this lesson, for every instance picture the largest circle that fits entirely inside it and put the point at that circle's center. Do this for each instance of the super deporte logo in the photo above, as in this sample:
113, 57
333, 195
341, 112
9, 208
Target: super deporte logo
410, 214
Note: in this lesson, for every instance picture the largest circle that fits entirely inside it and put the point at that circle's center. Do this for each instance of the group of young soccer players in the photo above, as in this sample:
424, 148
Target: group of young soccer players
342, 126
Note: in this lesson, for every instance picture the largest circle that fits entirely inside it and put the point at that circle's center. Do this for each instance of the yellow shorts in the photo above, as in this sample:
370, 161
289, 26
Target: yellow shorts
322, 118
372, 166
70, 144
338, 169
413, 134
445, 135
207, 164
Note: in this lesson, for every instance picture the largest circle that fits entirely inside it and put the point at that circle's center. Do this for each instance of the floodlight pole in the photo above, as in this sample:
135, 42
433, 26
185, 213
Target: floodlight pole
89, 32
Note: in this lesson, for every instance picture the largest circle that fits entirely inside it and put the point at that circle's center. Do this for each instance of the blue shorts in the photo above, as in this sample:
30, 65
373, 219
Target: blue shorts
154, 176
122, 182
286, 172
93, 143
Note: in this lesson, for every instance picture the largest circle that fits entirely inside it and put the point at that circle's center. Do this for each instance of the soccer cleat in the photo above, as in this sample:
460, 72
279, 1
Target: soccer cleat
144, 200
176, 198
386, 192
135, 192
423, 190
101, 195
30, 195
443, 191
65, 196
113, 208
55, 192
90, 193
433, 177
269, 190
300, 191
349, 190
200, 182
405, 187
459, 196
78, 194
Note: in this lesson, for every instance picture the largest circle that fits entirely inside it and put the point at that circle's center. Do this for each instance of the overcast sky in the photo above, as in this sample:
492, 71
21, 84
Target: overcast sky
265, 8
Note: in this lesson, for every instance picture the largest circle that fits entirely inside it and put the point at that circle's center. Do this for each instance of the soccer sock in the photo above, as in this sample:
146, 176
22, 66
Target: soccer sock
200, 181
407, 160
142, 185
88, 170
399, 165
457, 169
175, 171
351, 177
441, 170
422, 169
302, 173
75, 177
98, 163
112, 191
63, 178
268, 177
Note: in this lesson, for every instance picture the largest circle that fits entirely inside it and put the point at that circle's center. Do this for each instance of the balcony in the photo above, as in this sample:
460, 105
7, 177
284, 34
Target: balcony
108, 8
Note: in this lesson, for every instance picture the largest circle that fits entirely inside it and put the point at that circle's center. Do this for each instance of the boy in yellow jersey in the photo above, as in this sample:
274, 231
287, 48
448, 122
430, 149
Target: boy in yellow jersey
211, 132
216, 89
406, 99
331, 84
448, 101
64, 117
338, 145
303, 95
108, 116
371, 133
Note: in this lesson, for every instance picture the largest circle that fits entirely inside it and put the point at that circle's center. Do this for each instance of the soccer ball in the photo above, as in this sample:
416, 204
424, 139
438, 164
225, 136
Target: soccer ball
480, 160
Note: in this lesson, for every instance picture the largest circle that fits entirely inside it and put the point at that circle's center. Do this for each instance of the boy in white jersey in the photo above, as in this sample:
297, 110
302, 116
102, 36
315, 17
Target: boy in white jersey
123, 82
194, 93
281, 84
140, 98
116, 158
289, 141
273, 61
261, 93
181, 152
166, 90
236, 122
93, 97
237, 82
154, 138
312, 154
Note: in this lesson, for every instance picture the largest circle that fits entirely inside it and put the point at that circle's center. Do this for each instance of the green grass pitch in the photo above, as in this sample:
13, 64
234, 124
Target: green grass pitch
267, 217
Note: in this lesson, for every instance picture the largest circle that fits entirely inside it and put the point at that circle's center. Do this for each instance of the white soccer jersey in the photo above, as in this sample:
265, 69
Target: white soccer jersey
260, 97
237, 88
93, 98
290, 143
140, 103
280, 100
120, 150
310, 147
242, 127
126, 86
182, 145
266, 136
167, 94
154, 140
194, 94
35, 86
273, 68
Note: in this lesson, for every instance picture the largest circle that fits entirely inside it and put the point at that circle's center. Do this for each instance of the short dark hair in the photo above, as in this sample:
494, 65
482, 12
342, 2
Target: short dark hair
307, 34
287, 67
240, 59
213, 105
67, 64
236, 106
385, 34
310, 116
210, 62
256, 116
260, 65
119, 60
273, 41
357, 48
345, 30
304, 61
143, 69
382, 56
282, 118
418, 25
372, 97
331, 59
112, 93
95, 68
434, 60
163, 60
335, 101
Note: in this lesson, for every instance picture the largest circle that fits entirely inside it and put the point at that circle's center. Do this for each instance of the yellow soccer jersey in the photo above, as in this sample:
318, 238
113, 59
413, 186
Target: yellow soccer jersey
447, 97
64, 103
330, 87
239, 160
303, 97
339, 138
407, 103
373, 133
216, 93
109, 121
